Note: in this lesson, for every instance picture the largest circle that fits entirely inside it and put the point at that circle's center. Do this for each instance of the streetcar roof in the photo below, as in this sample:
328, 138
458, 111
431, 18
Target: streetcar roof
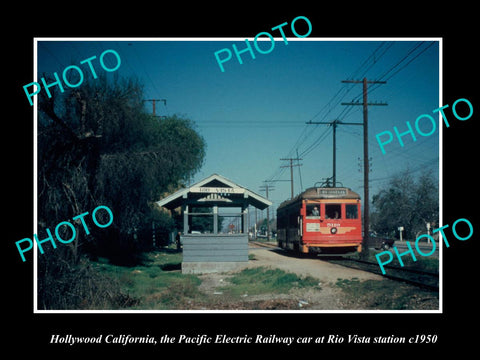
317, 193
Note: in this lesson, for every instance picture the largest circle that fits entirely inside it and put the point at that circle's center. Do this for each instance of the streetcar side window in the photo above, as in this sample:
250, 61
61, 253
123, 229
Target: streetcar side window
293, 219
313, 210
333, 211
281, 223
352, 211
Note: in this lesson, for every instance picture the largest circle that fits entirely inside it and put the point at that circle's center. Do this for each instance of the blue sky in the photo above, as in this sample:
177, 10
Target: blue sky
254, 113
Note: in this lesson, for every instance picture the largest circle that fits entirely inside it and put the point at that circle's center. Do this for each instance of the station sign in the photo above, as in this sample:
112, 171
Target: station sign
331, 192
216, 190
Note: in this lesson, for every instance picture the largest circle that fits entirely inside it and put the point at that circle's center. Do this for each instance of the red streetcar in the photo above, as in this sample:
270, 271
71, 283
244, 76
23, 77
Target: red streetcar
321, 219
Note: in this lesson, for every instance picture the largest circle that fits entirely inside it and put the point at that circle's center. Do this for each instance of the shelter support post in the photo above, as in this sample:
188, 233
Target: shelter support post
215, 219
185, 218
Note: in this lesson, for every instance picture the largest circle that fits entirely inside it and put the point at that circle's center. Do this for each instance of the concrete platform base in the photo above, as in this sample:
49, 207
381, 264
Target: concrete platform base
212, 267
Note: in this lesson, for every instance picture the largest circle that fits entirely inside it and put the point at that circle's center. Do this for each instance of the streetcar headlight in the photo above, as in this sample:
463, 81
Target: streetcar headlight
333, 230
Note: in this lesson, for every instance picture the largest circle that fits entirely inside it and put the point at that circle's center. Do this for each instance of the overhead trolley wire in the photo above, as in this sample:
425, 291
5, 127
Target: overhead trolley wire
382, 77
327, 108
343, 92
316, 143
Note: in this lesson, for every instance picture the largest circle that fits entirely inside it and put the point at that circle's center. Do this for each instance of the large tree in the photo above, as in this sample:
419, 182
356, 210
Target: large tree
408, 202
98, 146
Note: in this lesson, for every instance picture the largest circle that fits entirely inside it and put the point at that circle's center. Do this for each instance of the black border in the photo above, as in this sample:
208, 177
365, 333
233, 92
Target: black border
456, 25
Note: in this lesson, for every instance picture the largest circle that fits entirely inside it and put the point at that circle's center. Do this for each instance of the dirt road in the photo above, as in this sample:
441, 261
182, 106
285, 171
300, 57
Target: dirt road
315, 267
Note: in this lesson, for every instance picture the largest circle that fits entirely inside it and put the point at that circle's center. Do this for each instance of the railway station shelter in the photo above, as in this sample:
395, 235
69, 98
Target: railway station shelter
215, 223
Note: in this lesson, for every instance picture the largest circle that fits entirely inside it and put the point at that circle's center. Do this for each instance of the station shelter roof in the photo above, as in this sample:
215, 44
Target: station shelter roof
215, 189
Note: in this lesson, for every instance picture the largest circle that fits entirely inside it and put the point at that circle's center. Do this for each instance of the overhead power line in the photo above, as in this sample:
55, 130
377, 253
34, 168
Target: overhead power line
336, 99
334, 125
400, 68
413, 53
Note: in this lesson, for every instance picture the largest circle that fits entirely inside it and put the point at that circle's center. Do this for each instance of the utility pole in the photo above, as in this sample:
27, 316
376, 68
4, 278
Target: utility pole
267, 188
154, 101
334, 124
291, 170
366, 195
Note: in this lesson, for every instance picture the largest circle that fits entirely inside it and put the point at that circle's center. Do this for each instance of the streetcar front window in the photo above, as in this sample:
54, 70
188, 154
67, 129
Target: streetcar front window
352, 211
313, 211
333, 211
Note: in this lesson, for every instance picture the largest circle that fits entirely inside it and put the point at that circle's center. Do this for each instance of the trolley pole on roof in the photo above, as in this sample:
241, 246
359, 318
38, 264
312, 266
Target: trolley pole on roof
366, 208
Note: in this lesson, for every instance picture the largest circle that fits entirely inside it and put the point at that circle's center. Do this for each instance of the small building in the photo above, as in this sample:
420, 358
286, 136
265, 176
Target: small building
215, 223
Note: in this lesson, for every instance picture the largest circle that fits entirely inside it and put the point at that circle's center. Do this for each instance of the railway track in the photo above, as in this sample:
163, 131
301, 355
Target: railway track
260, 244
423, 279
419, 278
